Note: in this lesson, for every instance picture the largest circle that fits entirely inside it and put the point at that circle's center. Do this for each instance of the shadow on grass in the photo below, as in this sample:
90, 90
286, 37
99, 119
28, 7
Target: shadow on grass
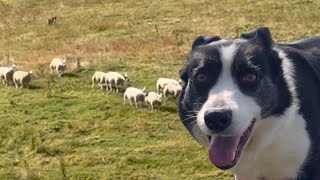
63, 97
82, 70
113, 92
33, 87
70, 75
169, 109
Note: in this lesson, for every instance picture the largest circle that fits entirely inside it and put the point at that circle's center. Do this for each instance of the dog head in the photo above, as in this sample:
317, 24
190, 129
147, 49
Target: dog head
229, 85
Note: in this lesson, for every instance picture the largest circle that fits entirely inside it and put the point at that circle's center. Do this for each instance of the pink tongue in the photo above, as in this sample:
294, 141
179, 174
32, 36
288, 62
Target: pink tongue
223, 149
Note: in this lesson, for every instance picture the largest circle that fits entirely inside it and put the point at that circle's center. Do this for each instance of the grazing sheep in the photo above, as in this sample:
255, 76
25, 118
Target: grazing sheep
99, 77
162, 82
153, 100
172, 89
22, 78
59, 65
132, 93
116, 79
6, 74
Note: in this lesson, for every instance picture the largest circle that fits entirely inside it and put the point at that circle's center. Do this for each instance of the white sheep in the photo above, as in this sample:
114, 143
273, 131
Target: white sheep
116, 79
59, 65
172, 89
162, 82
6, 74
153, 100
22, 78
132, 93
99, 77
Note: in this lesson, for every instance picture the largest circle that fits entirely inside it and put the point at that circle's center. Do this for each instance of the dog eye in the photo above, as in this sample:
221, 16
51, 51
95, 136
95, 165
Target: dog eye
201, 78
249, 78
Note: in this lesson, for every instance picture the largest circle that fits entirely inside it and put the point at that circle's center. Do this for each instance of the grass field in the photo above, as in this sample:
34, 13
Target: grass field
66, 130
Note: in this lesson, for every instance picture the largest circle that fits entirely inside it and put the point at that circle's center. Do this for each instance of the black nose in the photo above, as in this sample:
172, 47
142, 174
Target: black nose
218, 120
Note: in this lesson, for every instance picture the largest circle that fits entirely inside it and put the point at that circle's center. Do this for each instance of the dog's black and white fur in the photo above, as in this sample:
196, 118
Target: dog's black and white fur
252, 86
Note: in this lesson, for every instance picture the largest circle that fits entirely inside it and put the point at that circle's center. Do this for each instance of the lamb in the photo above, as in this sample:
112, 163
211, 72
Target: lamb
22, 78
99, 77
117, 79
162, 82
172, 89
6, 74
153, 100
132, 93
59, 65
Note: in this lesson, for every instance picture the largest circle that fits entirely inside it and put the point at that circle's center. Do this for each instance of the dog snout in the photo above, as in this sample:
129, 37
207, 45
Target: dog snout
218, 120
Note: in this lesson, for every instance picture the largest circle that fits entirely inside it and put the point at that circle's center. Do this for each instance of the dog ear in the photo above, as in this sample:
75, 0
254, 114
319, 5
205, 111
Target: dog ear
183, 72
203, 40
261, 34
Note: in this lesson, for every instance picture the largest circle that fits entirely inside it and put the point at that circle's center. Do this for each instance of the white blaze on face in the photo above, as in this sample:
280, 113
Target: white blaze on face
225, 94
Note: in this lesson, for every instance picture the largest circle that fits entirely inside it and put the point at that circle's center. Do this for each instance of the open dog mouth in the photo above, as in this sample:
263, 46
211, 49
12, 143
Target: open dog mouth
224, 151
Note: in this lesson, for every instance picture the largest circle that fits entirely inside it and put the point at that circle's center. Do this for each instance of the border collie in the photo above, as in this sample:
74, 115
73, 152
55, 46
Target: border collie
255, 104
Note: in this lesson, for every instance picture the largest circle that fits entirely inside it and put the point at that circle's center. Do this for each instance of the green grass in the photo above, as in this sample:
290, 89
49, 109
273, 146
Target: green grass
94, 134
83, 133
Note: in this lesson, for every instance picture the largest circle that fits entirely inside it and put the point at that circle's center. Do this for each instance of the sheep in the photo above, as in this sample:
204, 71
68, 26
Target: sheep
153, 100
117, 79
99, 77
132, 93
172, 89
162, 82
22, 78
59, 65
6, 74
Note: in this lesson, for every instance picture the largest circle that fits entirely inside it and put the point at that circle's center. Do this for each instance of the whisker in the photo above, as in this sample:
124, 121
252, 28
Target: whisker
188, 118
193, 122
192, 125
192, 111
191, 115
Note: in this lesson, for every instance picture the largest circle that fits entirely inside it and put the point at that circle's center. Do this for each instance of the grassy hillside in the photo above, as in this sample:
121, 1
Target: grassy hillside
83, 133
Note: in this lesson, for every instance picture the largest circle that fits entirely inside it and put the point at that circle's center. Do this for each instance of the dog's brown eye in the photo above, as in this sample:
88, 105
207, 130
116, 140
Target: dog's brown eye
250, 78
201, 78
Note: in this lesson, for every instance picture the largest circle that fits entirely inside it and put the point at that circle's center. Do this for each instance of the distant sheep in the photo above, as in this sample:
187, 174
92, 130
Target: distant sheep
98, 77
58, 65
162, 82
172, 89
22, 78
116, 79
153, 100
6, 74
52, 20
135, 94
